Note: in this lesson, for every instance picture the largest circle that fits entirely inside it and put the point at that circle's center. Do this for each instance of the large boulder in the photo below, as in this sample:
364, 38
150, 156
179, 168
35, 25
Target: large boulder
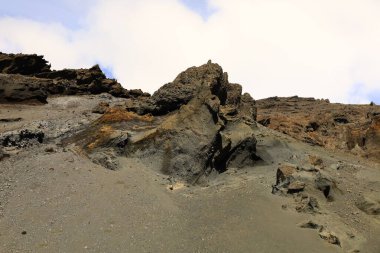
172, 95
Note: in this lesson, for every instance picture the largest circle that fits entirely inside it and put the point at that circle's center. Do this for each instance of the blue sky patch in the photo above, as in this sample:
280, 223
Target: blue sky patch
65, 12
199, 6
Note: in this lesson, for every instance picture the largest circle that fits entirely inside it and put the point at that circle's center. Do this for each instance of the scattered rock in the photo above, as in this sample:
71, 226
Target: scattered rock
310, 224
330, 237
306, 204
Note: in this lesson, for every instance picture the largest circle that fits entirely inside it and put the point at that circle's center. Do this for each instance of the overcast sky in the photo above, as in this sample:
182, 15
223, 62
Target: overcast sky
323, 49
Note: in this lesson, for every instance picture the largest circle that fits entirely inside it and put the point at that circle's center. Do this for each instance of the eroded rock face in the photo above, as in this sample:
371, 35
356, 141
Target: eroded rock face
201, 124
18, 88
335, 126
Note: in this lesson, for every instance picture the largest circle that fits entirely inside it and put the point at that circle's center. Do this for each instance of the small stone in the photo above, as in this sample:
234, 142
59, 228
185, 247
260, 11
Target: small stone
50, 149
23, 232
309, 224
350, 235
330, 237
296, 186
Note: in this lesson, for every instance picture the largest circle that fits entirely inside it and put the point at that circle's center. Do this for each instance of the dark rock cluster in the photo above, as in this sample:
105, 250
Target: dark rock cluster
29, 78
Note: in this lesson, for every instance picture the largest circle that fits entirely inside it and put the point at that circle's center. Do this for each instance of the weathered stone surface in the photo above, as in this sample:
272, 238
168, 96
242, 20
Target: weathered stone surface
23, 64
296, 186
187, 84
17, 88
284, 173
354, 128
101, 108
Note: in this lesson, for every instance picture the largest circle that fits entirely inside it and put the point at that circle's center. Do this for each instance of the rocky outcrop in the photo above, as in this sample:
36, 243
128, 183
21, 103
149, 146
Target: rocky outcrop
23, 64
18, 88
354, 128
197, 125
186, 86
29, 78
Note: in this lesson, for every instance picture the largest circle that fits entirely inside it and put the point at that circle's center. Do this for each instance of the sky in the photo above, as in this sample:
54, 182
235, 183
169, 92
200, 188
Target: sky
323, 49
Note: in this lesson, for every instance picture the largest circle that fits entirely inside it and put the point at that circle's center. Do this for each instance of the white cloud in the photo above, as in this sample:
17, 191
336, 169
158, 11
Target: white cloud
294, 47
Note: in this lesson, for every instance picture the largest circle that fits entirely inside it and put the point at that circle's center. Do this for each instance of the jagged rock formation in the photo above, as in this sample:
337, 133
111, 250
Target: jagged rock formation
201, 123
335, 126
23, 64
29, 78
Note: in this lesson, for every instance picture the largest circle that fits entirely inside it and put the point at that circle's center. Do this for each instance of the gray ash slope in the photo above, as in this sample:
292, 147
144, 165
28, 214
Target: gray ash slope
89, 165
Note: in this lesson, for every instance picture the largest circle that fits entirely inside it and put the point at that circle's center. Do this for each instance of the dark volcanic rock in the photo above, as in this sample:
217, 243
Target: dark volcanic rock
17, 88
23, 64
28, 77
187, 84
198, 127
